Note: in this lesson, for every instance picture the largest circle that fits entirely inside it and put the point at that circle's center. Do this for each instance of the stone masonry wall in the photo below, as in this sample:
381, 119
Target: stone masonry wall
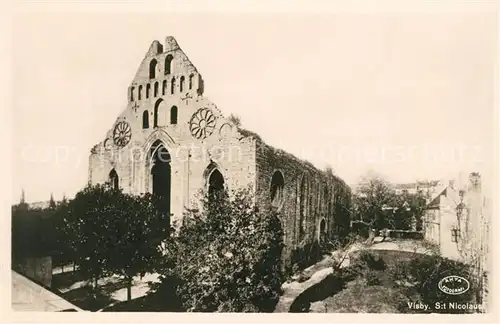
320, 194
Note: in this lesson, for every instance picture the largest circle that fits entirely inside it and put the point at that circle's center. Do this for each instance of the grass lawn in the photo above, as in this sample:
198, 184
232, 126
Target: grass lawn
380, 283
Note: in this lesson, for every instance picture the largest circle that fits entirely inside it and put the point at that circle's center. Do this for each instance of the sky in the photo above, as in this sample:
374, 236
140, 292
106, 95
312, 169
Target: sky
409, 95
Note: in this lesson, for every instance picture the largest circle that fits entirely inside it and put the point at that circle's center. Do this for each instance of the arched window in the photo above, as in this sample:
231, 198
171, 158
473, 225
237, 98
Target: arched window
156, 89
140, 92
181, 84
173, 115
145, 119
114, 180
160, 114
191, 76
152, 68
277, 186
168, 64
132, 89
164, 87
172, 86
148, 89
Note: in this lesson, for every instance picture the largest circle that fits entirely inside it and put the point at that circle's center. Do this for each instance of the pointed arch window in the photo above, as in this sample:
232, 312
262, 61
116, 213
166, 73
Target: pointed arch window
164, 87
148, 89
140, 92
132, 89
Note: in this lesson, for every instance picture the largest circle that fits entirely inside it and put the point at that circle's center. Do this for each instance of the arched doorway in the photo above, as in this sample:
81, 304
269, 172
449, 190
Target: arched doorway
161, 176
215, 184
114, 180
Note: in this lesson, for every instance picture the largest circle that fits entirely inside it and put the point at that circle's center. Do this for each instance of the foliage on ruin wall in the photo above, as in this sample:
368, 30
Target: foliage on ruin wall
226, 257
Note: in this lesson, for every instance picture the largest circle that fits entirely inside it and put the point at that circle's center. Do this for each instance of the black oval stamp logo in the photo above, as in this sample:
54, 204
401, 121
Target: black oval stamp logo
454, 285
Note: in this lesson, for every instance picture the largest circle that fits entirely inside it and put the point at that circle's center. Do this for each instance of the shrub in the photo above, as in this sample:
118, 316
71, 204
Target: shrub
424, 273
226, 257
372, 278
372, 260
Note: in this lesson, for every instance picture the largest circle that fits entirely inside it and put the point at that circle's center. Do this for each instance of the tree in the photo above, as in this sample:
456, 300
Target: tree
372, 203
137, 229
52, 203
226, 257
109, 232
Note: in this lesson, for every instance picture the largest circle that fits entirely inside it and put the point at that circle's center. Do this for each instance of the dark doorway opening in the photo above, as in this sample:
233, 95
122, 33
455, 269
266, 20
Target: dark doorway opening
215, 183
114, 180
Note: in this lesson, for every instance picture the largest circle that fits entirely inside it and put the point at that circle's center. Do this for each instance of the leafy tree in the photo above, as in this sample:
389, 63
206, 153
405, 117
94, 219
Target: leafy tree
409, 208
226, 257
109, 232
136, 230
371, 199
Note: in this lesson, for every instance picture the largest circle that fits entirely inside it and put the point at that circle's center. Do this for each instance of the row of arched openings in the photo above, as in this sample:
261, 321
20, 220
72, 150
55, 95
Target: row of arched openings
159, 117
164, 89
305, 204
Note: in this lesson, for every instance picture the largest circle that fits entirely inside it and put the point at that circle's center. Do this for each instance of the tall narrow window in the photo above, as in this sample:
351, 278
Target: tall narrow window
152, 69
145, 119
132, 89
168, 64
172, 86
140, 92
191, 76
181, 84
148, 89
173, 115
156, 89
164, 87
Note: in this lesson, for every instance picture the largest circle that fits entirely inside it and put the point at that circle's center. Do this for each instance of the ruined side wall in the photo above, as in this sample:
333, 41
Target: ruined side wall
320, 195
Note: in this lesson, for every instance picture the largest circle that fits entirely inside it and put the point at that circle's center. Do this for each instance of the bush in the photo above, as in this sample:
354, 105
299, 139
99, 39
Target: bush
424, 272
226, 257
371, 260
372, 278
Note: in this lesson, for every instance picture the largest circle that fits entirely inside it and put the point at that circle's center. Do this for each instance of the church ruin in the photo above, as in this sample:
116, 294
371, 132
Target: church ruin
172, 141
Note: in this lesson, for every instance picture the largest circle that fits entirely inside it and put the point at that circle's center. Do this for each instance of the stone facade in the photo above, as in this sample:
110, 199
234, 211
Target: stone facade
171, 140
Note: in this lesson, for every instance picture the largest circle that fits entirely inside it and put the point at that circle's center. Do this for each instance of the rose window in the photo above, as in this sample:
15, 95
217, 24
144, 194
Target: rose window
122, 134
202, 123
